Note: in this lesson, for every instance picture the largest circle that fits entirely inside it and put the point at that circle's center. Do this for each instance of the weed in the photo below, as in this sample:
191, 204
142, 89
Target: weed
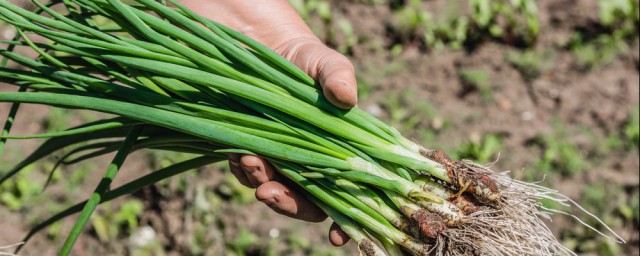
396, 50
453, 28
369, 79
57, 120
621, 16
110, 223
311, 10
16, 195
626, 138
372, 2
243, 240
482, 151
478, 80
559, 155
631, 128
562, 157
600, 51
408, 113
306, 8
53, 231
407, 20
449, 28
350, 39
530, 63
298, 242
617, 26
74, 179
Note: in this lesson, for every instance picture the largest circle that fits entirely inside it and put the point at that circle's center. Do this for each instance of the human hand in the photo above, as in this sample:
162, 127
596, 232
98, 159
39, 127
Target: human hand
277, 25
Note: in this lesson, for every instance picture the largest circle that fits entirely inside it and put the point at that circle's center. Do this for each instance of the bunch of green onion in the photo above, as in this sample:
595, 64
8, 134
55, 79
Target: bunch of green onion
182, 83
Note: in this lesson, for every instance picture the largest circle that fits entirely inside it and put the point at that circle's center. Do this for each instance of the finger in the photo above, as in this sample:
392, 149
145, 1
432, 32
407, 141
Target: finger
337, 236
256, 169
234, 167
338, 80
283, 200
332, 70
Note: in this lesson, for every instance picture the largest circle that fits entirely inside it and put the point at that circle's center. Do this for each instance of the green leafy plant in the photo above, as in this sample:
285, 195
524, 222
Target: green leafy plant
478, 79
409, 113
592, 53
317, 9
621, 16
306, 8
452, 28
558, 155
631, 128
350, 40
110, 223
243, 240
17, 194
531, 63
619, 21
483, 151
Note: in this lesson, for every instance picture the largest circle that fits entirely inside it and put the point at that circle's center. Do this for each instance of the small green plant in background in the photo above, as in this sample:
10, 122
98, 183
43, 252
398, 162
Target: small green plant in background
17, 194
453, 28
631, 128
621, 16
592, 53
331, 29
483, 150
243, 241
408, 113
345, 28
310, 10
558, 154
370, 76
307, 8
57, 120
110, 223
626, 138
448, 28
563, 157
479, 80
531, 64
618, 28
372, 2
297, 242
520, 16
407, 20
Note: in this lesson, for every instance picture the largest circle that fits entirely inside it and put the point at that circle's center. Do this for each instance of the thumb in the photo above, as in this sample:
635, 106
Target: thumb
332, 70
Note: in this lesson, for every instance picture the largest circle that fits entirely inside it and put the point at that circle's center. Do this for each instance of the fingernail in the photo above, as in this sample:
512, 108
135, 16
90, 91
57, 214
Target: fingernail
234, 163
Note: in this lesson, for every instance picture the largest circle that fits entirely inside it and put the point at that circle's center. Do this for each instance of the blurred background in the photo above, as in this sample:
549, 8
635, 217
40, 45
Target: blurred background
547, 90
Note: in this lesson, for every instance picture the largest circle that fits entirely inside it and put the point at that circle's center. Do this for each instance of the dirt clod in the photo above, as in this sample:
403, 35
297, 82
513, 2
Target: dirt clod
467, 204
429, 225
480, 185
